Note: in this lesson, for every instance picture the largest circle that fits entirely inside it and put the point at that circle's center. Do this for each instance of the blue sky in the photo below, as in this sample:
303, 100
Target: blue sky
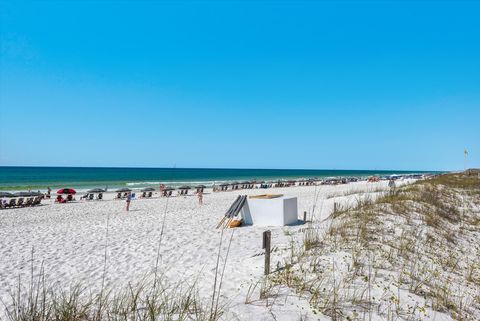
268, 84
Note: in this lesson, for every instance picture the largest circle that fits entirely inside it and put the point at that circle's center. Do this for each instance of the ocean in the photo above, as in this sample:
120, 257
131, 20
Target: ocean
83, 178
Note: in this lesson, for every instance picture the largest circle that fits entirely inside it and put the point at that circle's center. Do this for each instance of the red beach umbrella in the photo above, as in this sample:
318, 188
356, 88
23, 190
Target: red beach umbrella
66, 191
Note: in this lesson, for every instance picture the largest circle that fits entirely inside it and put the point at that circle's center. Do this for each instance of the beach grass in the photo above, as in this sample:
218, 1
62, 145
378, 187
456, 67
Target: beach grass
42, 301
404, 254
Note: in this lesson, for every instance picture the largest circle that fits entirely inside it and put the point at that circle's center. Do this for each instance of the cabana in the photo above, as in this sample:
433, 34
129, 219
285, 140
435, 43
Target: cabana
279, 183
234, 186
125, 192
257, 184
183, 190
270, 184
302, 182
147, 192
245, 184
91, 194
291, 183
223, 187
167, 191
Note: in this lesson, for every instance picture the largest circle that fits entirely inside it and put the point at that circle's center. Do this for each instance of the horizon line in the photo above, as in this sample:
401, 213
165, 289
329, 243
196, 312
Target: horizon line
220, 168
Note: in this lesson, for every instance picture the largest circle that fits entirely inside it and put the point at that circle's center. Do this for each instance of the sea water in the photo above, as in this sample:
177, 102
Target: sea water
83, 178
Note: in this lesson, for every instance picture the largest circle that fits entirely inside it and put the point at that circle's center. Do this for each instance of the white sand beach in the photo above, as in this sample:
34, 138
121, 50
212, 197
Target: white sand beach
69, 240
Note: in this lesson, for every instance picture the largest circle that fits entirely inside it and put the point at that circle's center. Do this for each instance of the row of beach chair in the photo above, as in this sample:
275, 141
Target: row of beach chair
121, 196
91, 197
21, 202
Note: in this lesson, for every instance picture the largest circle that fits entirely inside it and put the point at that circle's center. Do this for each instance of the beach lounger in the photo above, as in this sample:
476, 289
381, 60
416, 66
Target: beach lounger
100, 196
29, 202
20, 202
69, 198
12, 203
90, 197
37, 200
149, 194
144, 194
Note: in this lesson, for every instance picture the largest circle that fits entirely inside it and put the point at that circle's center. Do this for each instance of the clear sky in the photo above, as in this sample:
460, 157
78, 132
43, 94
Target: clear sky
255, 84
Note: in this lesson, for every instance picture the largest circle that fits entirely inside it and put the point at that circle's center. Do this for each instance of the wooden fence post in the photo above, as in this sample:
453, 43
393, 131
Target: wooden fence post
305, 217
267, 235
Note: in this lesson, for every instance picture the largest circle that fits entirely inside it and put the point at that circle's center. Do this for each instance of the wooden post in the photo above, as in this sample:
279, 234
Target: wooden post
305, 217
334, 207
267, 235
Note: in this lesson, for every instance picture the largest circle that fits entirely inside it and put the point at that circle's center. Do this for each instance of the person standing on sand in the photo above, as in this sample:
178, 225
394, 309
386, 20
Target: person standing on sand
48, 192
391, 184
200, 197
128, 200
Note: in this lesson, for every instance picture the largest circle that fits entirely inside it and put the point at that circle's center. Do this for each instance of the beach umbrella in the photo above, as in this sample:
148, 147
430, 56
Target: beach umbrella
184, 187
6, 194
123, 190
169, 189
245, 182
223, 184
148, 189
96, 190
200, 186
66, 191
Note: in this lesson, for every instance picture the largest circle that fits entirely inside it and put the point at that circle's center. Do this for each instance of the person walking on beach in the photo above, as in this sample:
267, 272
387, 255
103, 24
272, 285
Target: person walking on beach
128, 200
391, 184
200, 197
48, 192
162, 187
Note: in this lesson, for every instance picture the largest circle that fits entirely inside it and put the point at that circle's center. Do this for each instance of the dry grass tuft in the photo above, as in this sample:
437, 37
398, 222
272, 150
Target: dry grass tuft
414, 242
141, 301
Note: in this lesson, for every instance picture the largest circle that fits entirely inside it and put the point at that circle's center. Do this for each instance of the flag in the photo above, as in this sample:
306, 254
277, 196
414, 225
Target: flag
465, 152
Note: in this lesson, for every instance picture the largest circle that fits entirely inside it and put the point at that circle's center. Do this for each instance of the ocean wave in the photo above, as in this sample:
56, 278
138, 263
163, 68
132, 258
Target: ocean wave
142, 183
172, 182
